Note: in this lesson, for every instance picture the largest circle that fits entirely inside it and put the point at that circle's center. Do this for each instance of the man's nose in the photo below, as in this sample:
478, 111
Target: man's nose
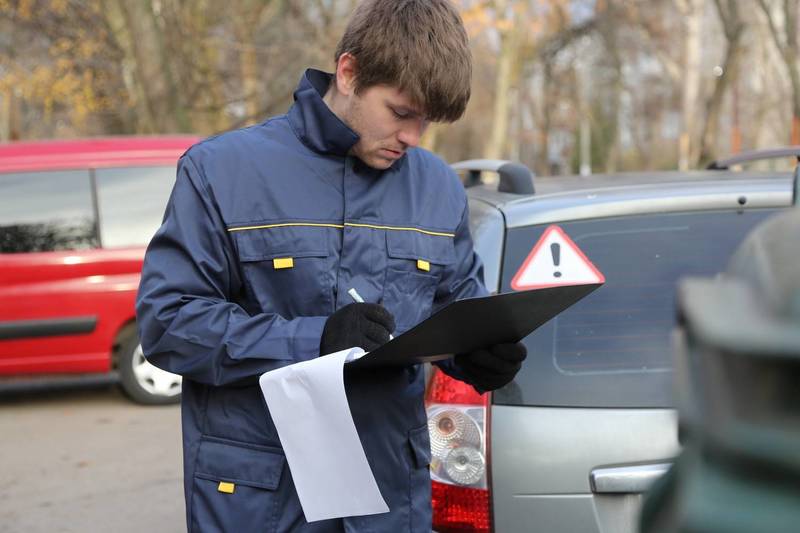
411, 133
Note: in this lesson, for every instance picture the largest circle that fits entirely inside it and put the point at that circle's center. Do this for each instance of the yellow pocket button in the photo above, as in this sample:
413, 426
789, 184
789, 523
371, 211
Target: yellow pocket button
283, 262
227, 488
423, 265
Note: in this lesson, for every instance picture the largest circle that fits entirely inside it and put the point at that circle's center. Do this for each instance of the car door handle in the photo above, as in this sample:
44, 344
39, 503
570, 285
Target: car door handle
626, 479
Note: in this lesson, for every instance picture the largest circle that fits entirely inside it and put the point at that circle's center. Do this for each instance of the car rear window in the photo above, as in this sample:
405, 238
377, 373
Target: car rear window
46, 212
131, 203
612, 349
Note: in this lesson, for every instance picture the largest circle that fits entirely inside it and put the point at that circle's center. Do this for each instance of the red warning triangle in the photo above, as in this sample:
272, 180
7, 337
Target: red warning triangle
555, 261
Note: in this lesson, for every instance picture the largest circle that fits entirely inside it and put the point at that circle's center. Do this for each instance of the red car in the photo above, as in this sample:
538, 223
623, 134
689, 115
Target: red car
75, 218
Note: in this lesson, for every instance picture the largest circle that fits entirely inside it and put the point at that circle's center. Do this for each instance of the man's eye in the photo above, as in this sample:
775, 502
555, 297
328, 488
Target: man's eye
399, 115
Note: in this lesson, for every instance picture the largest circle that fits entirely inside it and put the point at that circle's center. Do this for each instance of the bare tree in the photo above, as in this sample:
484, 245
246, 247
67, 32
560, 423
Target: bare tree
155, 66
733, 28
692, 10
611, 15
509, 27
783, 27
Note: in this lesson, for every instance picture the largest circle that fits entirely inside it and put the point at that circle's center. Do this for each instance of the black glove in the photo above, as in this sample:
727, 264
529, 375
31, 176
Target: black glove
491, 368
367, 326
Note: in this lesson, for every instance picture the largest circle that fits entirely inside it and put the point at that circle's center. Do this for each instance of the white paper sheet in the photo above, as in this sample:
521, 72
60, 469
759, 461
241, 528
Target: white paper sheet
309, 407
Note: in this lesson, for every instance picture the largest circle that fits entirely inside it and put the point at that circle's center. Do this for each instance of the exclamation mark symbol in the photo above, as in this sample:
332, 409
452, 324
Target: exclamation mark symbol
555, 249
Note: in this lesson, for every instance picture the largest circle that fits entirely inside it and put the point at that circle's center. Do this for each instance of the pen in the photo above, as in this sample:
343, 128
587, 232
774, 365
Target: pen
354, 294
357, 297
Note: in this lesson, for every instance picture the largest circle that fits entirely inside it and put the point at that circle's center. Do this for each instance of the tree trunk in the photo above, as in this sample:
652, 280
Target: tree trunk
509, 52
608, 32
787, 44
693, 11
175, 103
5, 114
794, 77
248, 58
729, 76
121, 25
543, 157
250, 82
733, 29
791, 12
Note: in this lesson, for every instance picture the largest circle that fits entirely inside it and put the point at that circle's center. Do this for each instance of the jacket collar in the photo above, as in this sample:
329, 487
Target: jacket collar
313, 121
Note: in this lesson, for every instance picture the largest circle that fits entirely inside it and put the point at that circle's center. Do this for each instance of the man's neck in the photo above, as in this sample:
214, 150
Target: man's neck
331, 98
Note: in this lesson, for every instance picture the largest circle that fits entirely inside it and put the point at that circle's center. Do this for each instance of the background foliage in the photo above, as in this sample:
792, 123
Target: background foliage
562, 85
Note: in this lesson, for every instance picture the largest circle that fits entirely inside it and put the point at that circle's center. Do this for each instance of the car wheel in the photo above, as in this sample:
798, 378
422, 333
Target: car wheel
141, 381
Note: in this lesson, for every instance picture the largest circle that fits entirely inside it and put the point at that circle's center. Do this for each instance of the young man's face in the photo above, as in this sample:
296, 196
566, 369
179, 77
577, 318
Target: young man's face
386, 122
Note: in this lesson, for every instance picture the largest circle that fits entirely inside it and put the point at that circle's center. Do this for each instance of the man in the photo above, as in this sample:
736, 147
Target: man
267, 231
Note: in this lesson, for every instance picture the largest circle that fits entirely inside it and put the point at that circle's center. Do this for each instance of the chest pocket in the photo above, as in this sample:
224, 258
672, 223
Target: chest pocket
415, 264
287, 269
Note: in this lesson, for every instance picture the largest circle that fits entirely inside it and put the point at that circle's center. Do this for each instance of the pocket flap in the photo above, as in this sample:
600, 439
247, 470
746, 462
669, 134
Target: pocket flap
417, 246
281, 242
243, 464
420, 443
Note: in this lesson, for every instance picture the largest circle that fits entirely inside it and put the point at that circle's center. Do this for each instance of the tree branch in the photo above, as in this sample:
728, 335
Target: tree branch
790, 14
772, 27
550, 47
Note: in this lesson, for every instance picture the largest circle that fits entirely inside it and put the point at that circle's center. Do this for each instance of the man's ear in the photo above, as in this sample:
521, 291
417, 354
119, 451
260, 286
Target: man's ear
346, 74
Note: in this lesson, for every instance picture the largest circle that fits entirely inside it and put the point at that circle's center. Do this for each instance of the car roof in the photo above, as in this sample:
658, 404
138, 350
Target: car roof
93, 153
547, 185
562, 198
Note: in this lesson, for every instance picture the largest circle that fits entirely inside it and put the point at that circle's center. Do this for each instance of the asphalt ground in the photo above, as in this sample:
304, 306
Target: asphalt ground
89, 460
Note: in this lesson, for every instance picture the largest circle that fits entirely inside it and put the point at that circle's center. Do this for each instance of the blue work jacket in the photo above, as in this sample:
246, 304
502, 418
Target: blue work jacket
265, 231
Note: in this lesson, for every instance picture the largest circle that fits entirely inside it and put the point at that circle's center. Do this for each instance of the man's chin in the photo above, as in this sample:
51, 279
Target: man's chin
379, 163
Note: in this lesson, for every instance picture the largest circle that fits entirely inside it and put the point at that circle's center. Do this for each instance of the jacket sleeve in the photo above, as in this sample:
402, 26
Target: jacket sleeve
188, 321
462, 279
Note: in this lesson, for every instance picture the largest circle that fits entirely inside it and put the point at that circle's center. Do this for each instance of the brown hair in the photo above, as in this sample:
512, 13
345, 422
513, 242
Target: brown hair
417, 46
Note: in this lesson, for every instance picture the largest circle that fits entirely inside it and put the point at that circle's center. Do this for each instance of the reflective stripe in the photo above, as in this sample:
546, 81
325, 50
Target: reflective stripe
395, 228
283, 225
340, 226
227, 488
282, 262
423, 265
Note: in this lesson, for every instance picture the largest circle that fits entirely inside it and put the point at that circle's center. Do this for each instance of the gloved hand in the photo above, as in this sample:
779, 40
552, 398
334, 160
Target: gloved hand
491, 368
367, 326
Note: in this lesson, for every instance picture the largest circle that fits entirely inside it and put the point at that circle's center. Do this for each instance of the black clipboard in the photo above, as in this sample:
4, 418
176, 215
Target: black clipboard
475, 323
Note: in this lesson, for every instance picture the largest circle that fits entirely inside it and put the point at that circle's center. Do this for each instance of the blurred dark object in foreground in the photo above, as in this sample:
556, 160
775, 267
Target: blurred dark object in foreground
737, 375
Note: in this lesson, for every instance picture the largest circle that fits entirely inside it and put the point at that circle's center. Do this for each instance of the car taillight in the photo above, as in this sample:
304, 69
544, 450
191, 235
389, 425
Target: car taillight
458, 429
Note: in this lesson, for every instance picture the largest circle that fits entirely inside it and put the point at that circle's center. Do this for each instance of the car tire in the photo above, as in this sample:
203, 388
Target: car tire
141, 381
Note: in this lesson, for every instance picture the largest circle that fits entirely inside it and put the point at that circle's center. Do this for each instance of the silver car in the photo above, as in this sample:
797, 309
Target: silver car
588, 424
